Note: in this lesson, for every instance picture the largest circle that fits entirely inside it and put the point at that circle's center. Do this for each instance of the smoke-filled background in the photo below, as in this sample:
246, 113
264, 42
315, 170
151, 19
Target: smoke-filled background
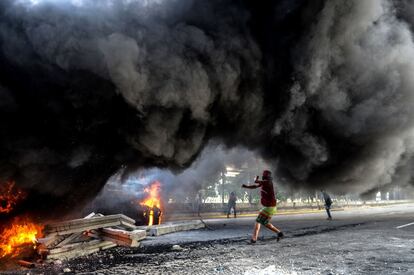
182, 191
323, 90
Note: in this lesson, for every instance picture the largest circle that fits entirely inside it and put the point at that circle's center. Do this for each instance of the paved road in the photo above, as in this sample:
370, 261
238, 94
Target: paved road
359, 241
379, 218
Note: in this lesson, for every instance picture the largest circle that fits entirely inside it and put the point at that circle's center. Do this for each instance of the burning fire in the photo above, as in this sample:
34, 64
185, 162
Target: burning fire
153, 201
9, 197
21, 232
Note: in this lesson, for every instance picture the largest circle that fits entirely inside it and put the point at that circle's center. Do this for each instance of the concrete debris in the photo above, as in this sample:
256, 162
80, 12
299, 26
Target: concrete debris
162, 229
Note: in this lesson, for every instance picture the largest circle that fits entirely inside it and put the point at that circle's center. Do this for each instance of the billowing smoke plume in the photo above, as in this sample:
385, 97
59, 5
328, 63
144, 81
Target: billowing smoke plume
124, 194
357, 78
323, 89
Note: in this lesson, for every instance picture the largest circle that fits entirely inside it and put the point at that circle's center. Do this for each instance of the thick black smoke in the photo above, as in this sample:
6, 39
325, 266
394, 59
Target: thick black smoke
123, 194
321, 88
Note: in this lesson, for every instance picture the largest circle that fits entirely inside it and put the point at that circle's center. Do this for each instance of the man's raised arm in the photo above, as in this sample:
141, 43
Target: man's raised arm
253, 186
257, 184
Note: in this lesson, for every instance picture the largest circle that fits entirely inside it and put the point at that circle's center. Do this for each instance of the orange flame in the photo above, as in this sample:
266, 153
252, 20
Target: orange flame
152, 200
9, 197
19, 233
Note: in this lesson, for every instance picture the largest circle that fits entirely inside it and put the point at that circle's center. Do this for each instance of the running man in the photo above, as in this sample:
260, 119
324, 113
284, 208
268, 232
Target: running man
268, 201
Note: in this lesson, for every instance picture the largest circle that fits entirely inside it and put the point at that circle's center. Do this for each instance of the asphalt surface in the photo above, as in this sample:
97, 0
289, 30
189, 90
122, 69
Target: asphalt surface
356, 241
296, 225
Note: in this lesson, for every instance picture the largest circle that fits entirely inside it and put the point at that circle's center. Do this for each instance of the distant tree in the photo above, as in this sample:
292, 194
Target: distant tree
210, 190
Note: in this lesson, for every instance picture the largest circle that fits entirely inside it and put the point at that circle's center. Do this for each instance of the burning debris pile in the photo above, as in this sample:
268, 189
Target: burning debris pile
19, 237
32, 244
29, 242
69, 239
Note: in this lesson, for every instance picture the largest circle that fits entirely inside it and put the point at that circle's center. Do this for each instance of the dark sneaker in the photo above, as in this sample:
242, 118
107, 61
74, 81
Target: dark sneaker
280, 236
252, 241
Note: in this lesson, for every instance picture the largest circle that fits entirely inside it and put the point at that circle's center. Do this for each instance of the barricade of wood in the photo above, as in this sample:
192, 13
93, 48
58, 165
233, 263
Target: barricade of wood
80, 237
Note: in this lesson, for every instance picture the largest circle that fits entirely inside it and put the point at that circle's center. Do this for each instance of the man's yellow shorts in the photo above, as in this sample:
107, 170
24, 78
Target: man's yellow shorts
265, 215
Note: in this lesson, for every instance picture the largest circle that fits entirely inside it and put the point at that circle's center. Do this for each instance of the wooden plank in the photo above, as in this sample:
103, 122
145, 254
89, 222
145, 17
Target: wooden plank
76, 229
119, 236
79, 225
50, 240
93, 214
69, 239
90, 215
26, 264
53, 239
122, 242
64, 239
82, 221
108, 246
93, 234
102, 245
128, 225
122, 237
78, 246
137, 234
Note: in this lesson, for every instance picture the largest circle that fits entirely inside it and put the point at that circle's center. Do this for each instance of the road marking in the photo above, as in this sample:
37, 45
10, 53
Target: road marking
405, 225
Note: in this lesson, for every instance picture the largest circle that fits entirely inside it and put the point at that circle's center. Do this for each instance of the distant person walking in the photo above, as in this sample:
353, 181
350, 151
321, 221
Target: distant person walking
328, 203
268, 200
197, 204
232, 204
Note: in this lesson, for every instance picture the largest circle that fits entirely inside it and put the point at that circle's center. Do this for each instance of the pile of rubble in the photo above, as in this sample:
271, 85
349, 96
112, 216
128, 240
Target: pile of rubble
95, 232
80, 237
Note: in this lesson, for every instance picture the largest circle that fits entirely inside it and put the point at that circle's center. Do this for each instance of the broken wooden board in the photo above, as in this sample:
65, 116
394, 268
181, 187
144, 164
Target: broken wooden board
96, 222
80, 237
79, 249
54, 240
50, 240
122, 237
71, 238
162, 229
